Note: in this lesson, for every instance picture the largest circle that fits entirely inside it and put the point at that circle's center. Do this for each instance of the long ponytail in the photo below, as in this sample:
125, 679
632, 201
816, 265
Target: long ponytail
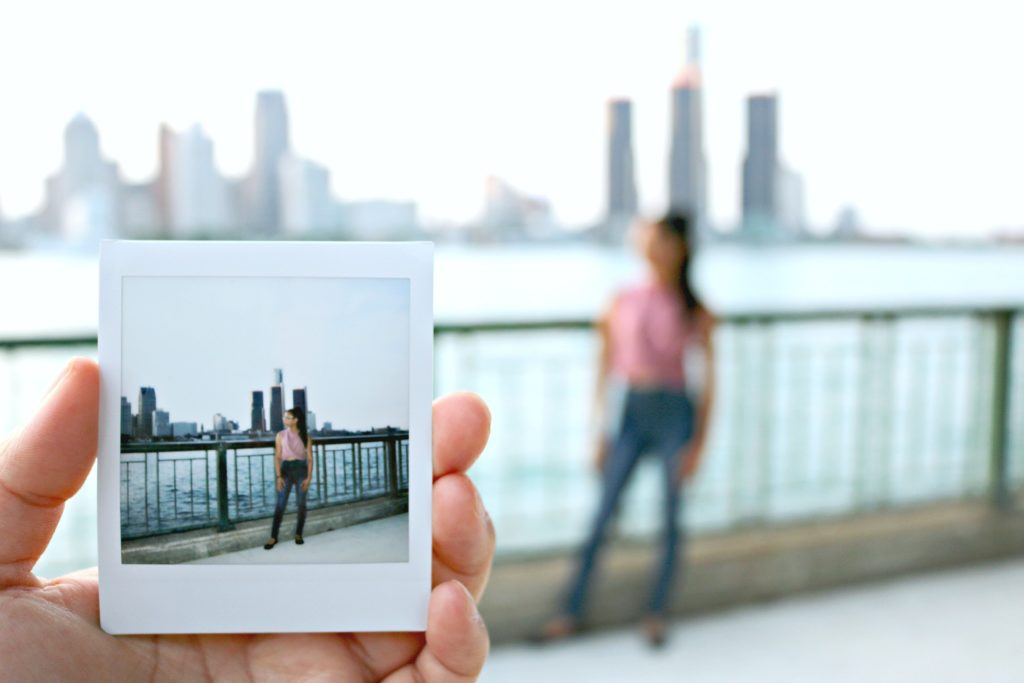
680, 225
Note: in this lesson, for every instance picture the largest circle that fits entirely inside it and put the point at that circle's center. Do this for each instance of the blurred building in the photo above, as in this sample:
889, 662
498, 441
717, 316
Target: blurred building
127, 428
277, 402
510, 214
198, 198
271, 144
299, 399
761, 166
378, 219
622, 199
81, 201
179, 429
687, 174
161, 423
792, 220
147, 406
258, 422
140, 211
310, 420
223, 425
305, 194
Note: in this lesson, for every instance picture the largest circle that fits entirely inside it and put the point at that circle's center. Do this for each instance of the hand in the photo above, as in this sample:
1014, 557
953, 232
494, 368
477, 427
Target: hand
689, 458
280, 483
50, 628
305, 485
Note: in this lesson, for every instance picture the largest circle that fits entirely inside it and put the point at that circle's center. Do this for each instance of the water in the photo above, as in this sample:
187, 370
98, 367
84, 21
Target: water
809, 421
174, 491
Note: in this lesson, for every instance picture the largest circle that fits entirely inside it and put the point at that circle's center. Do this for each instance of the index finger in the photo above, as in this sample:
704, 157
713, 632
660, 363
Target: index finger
462, 424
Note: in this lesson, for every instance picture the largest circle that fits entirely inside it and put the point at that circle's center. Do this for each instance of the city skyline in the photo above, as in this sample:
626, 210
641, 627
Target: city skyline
859, 115
160, 423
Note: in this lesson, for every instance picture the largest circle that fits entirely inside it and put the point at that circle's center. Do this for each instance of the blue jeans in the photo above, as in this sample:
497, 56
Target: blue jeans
657, 421
294, 473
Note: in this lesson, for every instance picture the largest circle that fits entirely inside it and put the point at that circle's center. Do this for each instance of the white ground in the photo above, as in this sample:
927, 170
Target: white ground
382, 540
956, 626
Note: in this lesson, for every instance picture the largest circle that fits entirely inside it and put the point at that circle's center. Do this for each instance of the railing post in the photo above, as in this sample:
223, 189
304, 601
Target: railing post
223, 523
392, 449
999, 457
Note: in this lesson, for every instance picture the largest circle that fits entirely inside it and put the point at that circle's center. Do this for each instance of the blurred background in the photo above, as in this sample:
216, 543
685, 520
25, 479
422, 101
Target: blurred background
855, 173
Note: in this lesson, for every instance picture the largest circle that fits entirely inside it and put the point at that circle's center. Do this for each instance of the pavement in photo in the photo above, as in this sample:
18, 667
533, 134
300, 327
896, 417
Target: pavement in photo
380, 540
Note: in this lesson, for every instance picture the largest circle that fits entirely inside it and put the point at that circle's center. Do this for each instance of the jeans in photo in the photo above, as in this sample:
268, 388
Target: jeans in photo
294, 473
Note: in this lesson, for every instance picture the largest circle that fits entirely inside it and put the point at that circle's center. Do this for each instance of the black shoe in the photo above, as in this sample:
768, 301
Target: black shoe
656, 631
270, 544
298, 539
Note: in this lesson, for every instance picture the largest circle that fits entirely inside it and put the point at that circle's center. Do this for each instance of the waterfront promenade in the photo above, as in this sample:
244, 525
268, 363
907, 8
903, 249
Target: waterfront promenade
944, 627
374, 541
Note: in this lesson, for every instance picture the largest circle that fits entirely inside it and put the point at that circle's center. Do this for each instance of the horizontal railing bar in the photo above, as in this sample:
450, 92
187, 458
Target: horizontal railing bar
731, 317
168, 446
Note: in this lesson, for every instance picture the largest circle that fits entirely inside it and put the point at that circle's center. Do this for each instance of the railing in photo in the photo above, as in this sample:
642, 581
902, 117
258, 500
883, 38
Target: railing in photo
169, 486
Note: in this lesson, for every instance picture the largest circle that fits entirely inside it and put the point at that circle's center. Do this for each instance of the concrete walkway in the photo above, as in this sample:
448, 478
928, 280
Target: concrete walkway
953, 626
381, 540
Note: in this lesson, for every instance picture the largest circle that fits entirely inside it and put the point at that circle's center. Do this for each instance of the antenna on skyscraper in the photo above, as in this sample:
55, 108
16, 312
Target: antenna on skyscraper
693, 45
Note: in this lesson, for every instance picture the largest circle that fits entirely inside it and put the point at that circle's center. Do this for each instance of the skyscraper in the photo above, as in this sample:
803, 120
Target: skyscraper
81, 198
270, 145
299, 399
126, 418
147, 406
761, 165
277, 402
198, 196
622, 202
305, 193
259, 422
687, 183
161, 423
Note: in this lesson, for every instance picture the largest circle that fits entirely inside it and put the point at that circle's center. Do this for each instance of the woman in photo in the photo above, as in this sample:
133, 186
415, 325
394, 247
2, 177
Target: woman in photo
656, 349
293, 464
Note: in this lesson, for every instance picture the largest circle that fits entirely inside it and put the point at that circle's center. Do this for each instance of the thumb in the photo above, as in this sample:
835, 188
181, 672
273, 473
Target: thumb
43, 465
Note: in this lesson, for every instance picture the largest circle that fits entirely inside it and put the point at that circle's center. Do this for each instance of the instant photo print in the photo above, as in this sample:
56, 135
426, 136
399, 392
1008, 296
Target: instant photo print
265, 436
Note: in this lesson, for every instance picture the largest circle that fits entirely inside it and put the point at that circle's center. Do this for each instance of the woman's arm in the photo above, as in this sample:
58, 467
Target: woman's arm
309, 462
277, 461
604, 364
695, 448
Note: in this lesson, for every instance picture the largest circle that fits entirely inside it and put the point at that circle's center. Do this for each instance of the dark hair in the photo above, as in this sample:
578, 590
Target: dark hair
680, 225
300, 415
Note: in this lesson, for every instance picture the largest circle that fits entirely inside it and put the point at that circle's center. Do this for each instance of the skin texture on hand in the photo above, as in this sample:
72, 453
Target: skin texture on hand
49, 629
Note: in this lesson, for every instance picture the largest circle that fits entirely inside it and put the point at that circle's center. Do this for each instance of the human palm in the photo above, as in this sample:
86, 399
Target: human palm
49, 629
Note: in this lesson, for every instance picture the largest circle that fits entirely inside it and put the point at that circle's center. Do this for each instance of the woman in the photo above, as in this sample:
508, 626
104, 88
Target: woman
646, 334
293, 464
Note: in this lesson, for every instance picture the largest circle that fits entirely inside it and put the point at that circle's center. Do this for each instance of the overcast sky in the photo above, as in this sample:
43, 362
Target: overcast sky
205, 344
910, 111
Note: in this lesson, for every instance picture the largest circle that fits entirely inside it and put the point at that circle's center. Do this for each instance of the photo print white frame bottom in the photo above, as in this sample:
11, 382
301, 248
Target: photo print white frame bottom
269, 595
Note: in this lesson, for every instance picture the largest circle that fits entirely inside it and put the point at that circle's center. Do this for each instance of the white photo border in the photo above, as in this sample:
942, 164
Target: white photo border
208, 598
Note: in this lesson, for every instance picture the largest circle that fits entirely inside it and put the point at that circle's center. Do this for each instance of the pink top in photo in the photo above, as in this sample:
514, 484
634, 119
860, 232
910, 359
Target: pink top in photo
291, 446
648, 334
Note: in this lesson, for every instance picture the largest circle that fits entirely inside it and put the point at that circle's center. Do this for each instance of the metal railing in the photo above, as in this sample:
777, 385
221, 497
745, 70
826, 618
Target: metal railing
818, 414
175, 486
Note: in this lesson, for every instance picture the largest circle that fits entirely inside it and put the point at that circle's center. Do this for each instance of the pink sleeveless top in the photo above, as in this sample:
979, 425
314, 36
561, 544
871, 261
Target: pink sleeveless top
648, 336
291, 446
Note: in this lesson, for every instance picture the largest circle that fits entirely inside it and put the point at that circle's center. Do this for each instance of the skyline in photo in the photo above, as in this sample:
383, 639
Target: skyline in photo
907, 113
206, 343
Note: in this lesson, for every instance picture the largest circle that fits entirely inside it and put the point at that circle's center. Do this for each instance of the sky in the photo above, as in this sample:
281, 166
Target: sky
910, 112
206, 343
